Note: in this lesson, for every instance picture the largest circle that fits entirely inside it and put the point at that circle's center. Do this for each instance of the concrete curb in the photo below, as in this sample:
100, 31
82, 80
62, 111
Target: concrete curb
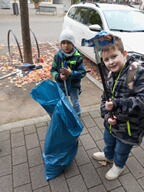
97, 83
35, 120
23, 123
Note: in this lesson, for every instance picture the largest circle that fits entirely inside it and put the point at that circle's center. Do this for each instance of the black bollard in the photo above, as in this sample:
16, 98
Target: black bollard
15, 9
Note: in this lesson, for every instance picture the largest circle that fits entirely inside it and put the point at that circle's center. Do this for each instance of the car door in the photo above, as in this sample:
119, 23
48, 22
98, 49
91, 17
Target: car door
93, 17
78, 19
75, 20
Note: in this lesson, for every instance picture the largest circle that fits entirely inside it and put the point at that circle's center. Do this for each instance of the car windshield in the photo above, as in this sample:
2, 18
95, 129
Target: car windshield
129, 21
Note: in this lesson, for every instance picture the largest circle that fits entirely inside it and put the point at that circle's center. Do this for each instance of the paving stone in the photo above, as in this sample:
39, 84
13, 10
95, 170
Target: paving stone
100, 145
21, 174
4, 135
119, 189
99, 123
138, 153
29, 129
99, 188
5, 148
90, 153
59, 184
42, 124
35, 157
84, 114
38, 177
90, 175
5, 165
87, 141
42, 145
95, 113
95, 133
23, 188
109, 185
88, 121
130, 184
84, 131
43, 189
31, 141
76, 184
6, 183
42, 133
19, 155
17, 139
72, 170
82, 157
135, 167
142, 144
79, 142
16, 130
141, 182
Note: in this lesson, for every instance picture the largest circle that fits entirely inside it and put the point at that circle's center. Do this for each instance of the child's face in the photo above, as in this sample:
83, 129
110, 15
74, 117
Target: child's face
114, 59
67, 46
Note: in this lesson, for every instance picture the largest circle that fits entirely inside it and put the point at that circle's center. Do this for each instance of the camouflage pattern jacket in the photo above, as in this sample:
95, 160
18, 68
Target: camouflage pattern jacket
127, 93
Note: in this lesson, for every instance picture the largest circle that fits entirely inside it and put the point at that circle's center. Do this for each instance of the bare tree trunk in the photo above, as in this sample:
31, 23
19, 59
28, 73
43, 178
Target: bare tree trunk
25, 31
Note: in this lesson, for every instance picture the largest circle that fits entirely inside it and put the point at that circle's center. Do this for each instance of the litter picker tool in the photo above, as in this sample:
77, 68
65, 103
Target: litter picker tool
102, 39
65, 85
22, 70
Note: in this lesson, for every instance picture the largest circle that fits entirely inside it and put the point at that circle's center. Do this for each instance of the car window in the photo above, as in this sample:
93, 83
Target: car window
85, 16
72, 12
94, 18
125, 20
81, 15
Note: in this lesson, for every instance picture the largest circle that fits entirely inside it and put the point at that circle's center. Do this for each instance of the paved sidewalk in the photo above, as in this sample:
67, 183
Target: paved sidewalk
22, 169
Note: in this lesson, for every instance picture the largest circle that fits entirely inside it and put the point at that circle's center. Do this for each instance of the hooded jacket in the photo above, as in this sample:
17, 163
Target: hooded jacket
75, 62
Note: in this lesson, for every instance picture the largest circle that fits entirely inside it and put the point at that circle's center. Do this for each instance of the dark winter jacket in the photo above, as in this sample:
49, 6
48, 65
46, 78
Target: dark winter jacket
128, 105
75, 63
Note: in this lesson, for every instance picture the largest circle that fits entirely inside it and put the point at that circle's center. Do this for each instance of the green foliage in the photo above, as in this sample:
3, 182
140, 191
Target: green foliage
76, 1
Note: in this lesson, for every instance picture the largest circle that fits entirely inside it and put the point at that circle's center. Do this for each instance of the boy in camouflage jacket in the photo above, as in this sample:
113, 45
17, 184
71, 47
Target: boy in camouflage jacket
123, 113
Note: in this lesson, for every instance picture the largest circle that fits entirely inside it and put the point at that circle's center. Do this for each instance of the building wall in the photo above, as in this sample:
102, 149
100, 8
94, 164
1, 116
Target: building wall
5, 4
66, 3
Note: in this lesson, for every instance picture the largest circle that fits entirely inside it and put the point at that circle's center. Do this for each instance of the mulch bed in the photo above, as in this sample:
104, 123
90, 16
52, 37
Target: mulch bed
47, 52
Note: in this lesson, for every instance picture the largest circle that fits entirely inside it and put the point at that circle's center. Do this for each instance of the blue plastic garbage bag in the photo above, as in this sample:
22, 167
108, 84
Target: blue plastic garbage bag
61, 142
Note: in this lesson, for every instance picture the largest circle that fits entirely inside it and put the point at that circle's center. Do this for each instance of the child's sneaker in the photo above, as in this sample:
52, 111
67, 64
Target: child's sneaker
114, 172
100, 156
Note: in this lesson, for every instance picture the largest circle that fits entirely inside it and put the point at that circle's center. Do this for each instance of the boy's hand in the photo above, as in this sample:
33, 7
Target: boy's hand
66, 71
112, 120
109, 105
63, 77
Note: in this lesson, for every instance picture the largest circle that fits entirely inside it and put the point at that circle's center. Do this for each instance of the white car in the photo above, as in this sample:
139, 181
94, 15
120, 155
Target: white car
122, 20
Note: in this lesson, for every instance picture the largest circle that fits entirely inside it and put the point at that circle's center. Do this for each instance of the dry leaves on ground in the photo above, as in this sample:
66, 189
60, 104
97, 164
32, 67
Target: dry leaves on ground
47, 52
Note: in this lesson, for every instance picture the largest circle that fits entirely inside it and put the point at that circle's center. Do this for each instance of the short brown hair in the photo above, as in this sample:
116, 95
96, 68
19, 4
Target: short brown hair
117, 44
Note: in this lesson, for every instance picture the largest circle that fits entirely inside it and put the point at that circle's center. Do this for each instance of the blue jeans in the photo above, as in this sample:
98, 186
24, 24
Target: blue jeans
116, 150
74, 96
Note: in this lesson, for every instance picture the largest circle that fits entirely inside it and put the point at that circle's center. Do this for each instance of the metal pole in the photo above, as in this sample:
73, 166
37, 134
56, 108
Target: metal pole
98, 61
